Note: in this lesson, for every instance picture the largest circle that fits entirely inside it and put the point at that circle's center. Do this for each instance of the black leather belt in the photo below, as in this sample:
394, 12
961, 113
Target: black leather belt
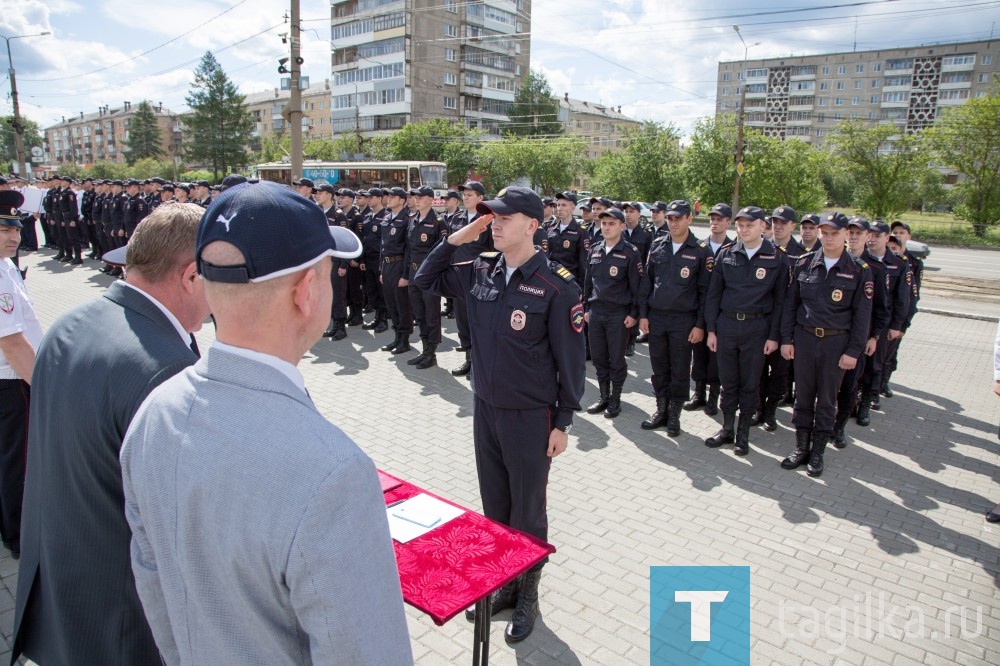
392, 258
740, 316
824, 332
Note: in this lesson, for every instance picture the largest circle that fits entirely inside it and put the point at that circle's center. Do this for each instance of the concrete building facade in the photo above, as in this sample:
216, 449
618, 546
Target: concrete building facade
266, 108
601, 126
399, 61
101, 136
804, 97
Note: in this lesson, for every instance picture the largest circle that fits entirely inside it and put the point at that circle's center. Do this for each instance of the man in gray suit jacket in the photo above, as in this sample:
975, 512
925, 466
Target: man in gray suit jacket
76, 598
259, 529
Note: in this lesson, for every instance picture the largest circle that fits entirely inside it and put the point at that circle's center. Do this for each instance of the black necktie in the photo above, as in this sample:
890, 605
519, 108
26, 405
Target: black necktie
194, 346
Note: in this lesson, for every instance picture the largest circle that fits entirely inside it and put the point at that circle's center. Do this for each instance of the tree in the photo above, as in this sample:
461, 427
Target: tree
219, 126
885, 165
708, 169
32, 138
967, 139
549, 165
783, 173
438, 140
647, 169
143, 135
536, 110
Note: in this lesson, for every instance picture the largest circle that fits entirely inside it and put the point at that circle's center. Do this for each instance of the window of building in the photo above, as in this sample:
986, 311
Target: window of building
898, 81
957, 77
756, 87
896, 97
823, 101
450, 79
821, 117
737, 90
842, 69
820, 131
840, 85
450, 30
984, 78
860, 69
981, 93
987, 58
824, 86
757, 73
725, 77
450, 102
858, 85
451, 6
855, 101
381, 47
388, 71
958, 60
899, 63
826, 71
725, 91
875, 83
839, 101
837, 116
874, 99
855, 114
952, 94
877, 67
802, 85
517, 70
872, 115
449, 54
804, 70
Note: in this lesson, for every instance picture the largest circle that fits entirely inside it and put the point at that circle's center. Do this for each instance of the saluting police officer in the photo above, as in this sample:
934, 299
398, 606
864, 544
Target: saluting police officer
527, 321
611, 308
824, 330
426, 229
473, 193
743, 317
705, 366
672, 313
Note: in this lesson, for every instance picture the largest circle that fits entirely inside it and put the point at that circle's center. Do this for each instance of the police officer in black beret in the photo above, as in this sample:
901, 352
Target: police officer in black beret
611, 308
672, 313
824, 330
395, 257
527, 321
743, 318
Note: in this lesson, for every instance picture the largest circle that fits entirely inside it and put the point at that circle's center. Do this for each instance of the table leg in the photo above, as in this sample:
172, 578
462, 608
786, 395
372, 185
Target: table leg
481, 632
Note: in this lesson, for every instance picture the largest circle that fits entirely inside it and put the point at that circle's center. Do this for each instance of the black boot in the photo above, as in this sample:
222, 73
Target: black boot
803, 437
758, 417
404, 344
331, 329
697, 400
876, 401
449, 309
815, 466
430, 358
522, 622
602, 402
839, 436
355, 318
659, 417
865, 409
884, 388
789, 394
421, 356
742, 435
77, 257
59, 257
770, 410
501, 600
466, 367
674, 418
630, 350
67, 257
370, 325
614, 402
341, 331
395, 343
382, 321
712, 406
726, 435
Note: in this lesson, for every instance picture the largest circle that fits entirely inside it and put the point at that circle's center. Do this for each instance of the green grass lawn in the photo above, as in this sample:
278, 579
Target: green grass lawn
944, 228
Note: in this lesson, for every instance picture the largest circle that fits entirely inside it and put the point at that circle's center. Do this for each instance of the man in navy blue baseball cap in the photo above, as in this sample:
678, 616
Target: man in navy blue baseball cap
276, 231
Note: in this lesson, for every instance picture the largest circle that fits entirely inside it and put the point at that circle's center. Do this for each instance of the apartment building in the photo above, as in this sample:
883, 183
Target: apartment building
804, 97
400, 61
266, 108
101, 136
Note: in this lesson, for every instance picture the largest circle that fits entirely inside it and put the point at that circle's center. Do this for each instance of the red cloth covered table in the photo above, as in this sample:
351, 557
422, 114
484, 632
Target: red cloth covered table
455, 565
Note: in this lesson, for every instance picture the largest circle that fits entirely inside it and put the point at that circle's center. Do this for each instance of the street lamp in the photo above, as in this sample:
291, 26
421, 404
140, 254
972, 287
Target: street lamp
18, 127
739, 122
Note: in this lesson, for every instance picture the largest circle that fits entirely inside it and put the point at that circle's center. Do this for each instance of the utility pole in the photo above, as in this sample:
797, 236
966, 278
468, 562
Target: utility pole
22, 168
739, 124
295, 101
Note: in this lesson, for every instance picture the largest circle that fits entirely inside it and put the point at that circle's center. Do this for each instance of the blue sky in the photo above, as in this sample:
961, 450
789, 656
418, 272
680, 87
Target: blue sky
655, 58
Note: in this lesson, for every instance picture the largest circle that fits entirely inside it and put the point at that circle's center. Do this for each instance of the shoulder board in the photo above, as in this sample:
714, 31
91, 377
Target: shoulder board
861, 262
703, 243
561, 271
489, 255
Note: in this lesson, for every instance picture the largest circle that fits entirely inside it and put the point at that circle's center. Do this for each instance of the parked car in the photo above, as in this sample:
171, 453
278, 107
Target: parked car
917, 249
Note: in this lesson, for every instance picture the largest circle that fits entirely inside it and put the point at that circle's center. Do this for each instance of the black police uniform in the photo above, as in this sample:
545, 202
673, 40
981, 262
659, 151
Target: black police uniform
610, 295
913, 278
827, 315
672, 297
118, 219
528, 372
86, 226
640, 238
898, 292
743, 309
568, 247
338, 309
69, 215
704, 363
424, 234
51, 226
97, 213
371, 242
353, 284
395, 253
134, 212
466, 254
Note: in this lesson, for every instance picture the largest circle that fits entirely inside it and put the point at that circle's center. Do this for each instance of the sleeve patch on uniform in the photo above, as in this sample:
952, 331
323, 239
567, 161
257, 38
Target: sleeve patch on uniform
869, 289
709, 263
6, 303
576, 317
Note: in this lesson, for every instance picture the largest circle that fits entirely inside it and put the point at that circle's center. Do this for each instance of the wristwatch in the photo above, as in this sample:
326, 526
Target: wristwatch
565, 428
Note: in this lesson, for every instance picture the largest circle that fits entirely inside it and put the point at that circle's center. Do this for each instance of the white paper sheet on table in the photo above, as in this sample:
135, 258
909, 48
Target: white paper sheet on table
404, 531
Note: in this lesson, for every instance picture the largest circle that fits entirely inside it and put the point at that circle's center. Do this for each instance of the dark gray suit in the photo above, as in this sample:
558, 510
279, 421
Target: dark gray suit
76, 597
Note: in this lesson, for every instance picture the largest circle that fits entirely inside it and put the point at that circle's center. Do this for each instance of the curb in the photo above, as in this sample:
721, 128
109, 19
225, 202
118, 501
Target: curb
963, 315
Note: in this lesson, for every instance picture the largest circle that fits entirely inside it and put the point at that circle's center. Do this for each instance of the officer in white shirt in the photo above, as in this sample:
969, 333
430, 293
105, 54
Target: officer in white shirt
20, 334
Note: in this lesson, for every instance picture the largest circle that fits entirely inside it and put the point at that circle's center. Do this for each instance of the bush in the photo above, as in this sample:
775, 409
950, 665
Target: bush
192, 176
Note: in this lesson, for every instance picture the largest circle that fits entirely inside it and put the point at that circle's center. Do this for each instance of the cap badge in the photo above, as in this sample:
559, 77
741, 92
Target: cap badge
517, 320
501, 193
225, 220
829, 217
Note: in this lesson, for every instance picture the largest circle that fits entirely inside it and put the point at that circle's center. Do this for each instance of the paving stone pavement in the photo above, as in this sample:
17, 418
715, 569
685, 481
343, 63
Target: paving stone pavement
871, 564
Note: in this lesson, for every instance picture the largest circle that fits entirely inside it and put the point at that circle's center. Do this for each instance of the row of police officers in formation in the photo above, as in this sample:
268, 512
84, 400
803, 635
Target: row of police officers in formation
103, 214
754, 319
